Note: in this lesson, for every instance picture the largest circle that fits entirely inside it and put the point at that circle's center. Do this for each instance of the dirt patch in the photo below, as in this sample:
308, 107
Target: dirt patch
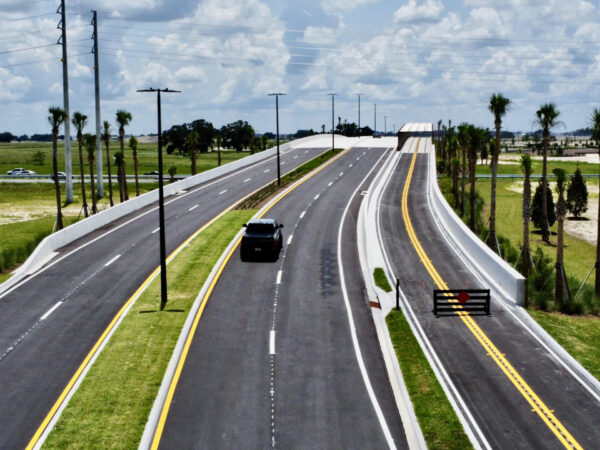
585, 229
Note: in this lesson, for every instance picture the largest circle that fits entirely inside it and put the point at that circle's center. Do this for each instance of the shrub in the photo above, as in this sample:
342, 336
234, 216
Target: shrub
536, 207
577, 194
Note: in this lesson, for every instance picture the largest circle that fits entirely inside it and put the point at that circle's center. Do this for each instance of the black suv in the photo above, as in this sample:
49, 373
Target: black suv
263, 238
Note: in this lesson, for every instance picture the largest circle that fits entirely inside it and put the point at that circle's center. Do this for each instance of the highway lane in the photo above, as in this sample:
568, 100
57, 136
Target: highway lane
501, 410
49, 323
272, 363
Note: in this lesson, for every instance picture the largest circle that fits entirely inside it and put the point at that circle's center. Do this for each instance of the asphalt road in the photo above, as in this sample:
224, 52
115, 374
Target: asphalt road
272, 363
49, 323
506, 419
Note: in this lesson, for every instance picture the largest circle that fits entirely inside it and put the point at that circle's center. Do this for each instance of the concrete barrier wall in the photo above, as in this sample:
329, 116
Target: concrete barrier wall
490, 266
47, 248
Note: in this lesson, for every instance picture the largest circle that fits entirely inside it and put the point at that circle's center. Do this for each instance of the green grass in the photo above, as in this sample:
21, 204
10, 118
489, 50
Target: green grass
439, 423
112, 405
19, 155
381, 280
577, 335
536, 167
579, 255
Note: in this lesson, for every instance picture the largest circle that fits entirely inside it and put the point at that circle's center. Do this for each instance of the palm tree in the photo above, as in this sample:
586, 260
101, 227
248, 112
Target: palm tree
463, 141
546, 120
90, 146
193, 140
133, 145
595, 124
79, 122
455, 169
106, 137
476, 138
56, 118
526, 168
498, 106
561, 211
123, 118
219, 140
439, 124
120, 163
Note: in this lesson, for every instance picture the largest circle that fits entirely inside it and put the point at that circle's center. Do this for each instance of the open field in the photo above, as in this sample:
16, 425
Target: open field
20, 155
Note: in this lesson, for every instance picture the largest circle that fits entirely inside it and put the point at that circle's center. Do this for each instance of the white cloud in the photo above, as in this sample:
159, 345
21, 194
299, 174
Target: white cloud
419, 11
338, 7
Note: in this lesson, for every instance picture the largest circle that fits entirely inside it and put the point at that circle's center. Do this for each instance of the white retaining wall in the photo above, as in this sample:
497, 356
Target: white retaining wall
490, 266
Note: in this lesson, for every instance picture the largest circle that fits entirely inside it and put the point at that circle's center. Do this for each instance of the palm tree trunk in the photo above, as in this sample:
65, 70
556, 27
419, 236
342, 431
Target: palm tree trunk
472, 219
59, 222
526, 253
94, 207
560, 270
110, 190
597, 286
462, 189
492, 241
122, 169
545, 227
135, 169
81, 168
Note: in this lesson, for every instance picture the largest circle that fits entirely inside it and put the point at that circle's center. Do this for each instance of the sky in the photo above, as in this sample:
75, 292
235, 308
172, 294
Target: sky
418, 60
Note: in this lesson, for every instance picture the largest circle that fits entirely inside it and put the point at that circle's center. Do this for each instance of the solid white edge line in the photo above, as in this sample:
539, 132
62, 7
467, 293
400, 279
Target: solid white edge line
272, 342
290, 239
279, 274
50, 311
112, 261
193, 207
462, 411
357, 351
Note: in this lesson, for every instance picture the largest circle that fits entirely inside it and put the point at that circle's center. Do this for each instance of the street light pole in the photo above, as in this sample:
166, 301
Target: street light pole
375, 119
359, 113
332, 122
161, 203
277, 120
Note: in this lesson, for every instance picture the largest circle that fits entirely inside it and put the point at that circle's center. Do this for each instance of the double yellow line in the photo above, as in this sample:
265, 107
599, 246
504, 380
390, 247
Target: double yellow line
538, 406
190, 337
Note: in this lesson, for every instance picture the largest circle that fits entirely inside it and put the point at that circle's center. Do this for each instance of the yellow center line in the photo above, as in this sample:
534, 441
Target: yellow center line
545, 413
190, 337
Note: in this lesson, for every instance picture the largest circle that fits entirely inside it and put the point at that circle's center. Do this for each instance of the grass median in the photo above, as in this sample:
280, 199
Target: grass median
111, 406
437, 419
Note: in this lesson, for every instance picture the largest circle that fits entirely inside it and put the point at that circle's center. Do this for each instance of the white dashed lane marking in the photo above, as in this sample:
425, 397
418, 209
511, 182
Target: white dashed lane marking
112, 261
50, 311
290, 239
193, 207
317, 196
330, 183
272, 342
279, 274
222, 192
267, 170
155, 230
302, 214
247, 179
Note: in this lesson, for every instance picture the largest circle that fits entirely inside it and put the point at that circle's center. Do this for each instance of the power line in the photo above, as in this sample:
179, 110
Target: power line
27, 48
39, 61
27, 18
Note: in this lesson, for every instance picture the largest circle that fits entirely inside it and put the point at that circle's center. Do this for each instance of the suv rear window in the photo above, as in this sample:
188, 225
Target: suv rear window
260, 228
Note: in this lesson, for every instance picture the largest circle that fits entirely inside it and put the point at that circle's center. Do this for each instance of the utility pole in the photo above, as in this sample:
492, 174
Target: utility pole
161, 204
62, 25
359, 113
332, 121
375, 119
384, 125
277, 120
99, 172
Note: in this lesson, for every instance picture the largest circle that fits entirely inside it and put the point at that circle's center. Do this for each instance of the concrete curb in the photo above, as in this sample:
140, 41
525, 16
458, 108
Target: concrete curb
46, 249
370, 257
